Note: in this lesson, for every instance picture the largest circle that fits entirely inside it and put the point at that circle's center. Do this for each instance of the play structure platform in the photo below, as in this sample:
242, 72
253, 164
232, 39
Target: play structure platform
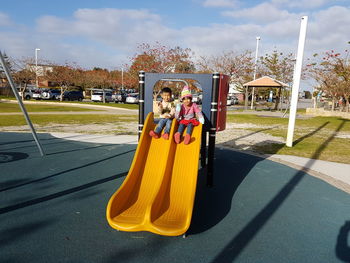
159, 190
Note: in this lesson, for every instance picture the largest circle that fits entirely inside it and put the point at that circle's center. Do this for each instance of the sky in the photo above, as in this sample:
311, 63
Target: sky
106, 33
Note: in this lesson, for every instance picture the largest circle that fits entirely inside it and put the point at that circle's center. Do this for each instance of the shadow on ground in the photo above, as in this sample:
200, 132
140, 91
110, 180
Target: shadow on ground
243, 238
342, 248
57, 204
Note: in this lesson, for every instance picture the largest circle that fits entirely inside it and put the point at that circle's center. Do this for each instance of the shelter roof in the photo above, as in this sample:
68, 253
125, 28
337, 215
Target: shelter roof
265, 81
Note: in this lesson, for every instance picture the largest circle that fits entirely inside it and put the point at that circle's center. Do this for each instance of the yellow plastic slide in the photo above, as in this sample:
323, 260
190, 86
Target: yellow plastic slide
159, 190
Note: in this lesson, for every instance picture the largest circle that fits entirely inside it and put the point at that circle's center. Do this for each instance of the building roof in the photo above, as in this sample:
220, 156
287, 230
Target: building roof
265, 81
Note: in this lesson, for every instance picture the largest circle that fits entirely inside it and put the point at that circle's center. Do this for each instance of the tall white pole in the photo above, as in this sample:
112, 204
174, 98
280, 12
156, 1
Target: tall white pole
36, 66
255, 66
296, 82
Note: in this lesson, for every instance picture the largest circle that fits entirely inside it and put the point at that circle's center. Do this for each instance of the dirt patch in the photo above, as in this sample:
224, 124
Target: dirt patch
117, 128
235, 135
239, 137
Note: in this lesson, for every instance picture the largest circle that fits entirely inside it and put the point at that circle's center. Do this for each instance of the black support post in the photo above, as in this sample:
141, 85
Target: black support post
204, 148
141, 101
212, 130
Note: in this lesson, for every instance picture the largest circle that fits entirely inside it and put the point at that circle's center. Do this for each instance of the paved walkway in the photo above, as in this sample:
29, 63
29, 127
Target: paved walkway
337, 174
53, 208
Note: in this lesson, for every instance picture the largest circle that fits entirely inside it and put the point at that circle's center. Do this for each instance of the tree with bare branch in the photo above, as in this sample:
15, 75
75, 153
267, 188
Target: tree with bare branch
332, 73
64, 76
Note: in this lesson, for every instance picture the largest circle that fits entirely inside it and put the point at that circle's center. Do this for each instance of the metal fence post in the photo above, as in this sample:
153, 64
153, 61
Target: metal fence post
141, 101
212, 131
21, 105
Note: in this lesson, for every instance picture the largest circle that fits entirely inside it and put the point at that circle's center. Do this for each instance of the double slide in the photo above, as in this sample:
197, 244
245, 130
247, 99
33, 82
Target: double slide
159, 191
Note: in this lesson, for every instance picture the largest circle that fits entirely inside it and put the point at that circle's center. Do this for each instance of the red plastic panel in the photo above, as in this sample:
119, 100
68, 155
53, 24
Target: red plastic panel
222, 101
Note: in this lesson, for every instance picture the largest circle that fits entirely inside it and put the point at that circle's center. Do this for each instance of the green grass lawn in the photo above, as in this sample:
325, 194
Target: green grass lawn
111, 104
16, 120
314, 138
14, 107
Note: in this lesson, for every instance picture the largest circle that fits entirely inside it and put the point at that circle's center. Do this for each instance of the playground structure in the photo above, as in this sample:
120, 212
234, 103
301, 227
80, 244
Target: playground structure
159, 191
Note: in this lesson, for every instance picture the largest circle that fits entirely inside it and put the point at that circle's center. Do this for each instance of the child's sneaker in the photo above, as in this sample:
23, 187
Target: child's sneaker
153, 134
165, 136
187, 139
177, 137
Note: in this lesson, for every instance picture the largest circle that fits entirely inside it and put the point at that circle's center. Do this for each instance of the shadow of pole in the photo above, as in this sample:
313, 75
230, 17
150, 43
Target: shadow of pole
242, 239
59, 194
65, 171
342, 249
312, 133
250, 134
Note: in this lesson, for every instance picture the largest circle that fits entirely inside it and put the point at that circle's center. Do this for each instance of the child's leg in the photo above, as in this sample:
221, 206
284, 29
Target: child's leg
188, 133
168, 126
189, 129
167, 129
159, 128
180, 130
160, 125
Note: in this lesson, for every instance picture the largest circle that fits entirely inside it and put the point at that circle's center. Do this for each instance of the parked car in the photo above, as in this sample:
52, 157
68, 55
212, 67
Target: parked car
28, 93
197, 98
97, 96
37, 94
132, 98
73, 95
232, 100
119, 97
51, 94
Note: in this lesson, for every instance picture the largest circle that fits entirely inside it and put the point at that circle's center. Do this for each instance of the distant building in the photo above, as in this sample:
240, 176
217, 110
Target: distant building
40, 70
236, 90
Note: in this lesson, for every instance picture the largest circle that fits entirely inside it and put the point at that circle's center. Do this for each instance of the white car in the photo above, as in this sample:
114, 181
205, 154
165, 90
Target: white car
197, 98
28, 93
97, 96
37, 94
132, 98
232, 100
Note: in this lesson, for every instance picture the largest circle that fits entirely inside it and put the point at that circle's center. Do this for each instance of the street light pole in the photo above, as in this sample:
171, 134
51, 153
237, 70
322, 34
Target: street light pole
255, 66
36, 67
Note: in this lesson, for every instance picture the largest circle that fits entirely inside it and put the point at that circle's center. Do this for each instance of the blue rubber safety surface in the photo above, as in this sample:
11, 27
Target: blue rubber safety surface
52, 209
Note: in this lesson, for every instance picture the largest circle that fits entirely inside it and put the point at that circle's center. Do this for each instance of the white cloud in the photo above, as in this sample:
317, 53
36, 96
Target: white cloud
108, 37
120, 29
328, 29
263, 13
305, 4
5, 20
221, 3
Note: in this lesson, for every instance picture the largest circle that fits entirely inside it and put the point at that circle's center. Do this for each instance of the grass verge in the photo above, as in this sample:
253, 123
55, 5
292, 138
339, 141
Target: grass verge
14, 107
315, 138
112, 104
17, 120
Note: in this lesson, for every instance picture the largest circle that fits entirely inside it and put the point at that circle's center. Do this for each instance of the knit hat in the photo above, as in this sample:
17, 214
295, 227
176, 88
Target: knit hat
186, 92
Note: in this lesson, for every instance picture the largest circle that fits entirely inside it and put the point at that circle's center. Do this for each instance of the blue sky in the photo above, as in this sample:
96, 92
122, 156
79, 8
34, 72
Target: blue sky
106, 33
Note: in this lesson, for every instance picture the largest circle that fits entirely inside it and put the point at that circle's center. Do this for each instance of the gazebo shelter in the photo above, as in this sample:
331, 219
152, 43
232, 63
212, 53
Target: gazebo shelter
263, 82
